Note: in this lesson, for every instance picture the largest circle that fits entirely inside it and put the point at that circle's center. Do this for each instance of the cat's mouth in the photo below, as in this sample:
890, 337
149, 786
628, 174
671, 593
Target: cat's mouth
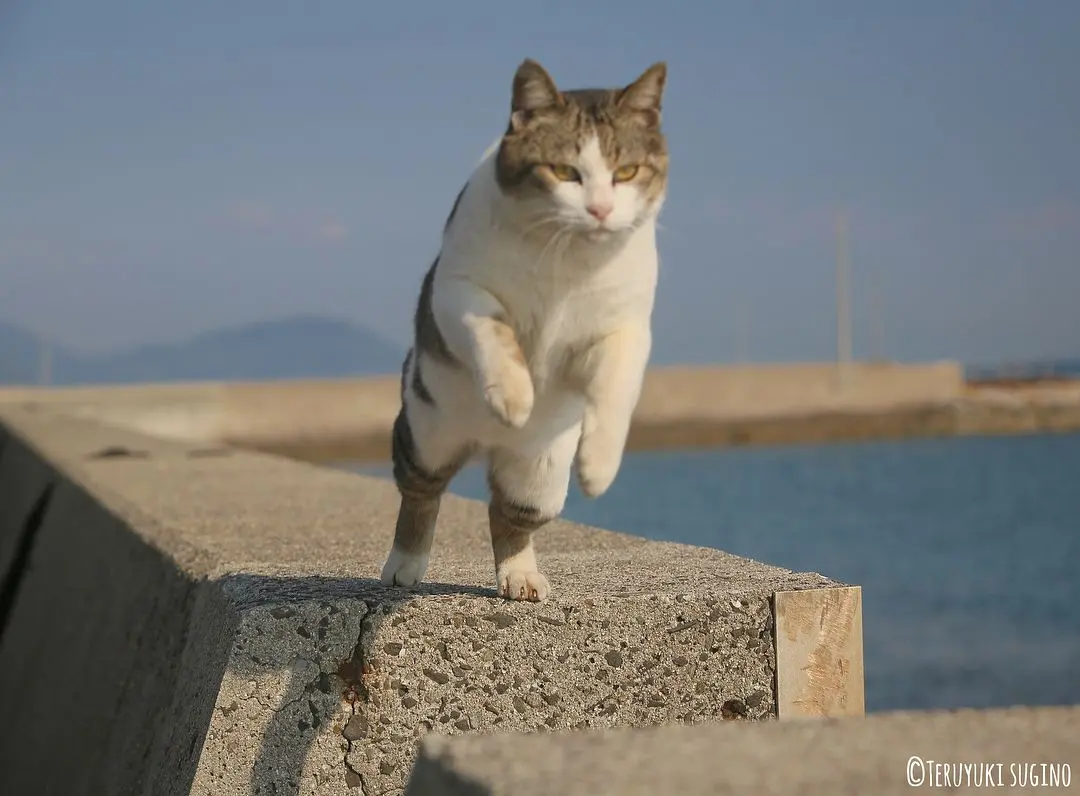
599, 233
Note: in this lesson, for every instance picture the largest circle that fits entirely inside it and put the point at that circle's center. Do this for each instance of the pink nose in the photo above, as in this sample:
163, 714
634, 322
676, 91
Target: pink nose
599, 212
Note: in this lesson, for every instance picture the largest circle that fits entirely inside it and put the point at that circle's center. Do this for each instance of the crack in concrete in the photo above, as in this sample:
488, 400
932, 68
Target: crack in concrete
24, 549
355, 781
352, 671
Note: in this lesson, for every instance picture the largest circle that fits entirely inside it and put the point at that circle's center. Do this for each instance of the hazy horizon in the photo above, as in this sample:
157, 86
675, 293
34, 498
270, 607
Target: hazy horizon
402, 343
185, 168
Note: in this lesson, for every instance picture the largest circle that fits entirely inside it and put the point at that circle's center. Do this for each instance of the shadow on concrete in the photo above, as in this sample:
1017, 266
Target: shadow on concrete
130, 648
284, 747
123, 646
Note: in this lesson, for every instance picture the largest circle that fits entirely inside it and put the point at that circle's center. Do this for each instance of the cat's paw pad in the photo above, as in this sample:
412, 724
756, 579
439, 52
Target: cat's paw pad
519, 584
597, 465
511, 396
403, 569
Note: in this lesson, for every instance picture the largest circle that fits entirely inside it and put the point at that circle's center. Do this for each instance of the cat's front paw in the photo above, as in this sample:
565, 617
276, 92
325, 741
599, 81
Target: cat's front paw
598, 463
403, 569
510, 395
517, 584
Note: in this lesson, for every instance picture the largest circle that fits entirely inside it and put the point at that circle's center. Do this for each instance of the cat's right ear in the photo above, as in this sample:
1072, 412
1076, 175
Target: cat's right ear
533, 90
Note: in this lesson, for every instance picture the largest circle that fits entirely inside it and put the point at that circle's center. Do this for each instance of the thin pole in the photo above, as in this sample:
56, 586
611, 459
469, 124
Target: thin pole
843, 299
878, 330
742, 332
45, 365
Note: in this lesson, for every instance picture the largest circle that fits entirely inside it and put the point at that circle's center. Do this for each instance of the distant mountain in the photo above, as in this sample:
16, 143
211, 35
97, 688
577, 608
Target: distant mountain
294, 348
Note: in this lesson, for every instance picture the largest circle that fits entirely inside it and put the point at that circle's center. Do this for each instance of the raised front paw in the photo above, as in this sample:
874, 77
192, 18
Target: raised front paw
519, 584
598, 463
509, 394
404, 569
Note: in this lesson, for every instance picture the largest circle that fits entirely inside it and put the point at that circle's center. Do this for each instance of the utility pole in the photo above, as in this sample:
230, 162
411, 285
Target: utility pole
843, 300
742, 332
45, 364
877, 330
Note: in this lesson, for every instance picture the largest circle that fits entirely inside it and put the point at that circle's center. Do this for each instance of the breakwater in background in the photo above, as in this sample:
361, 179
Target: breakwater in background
680, 407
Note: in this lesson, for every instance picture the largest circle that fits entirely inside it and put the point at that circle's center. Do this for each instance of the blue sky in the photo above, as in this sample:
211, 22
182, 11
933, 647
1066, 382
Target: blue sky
173, 167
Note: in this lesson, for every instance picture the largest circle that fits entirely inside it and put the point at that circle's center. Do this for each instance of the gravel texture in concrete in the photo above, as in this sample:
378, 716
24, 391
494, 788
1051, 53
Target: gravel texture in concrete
1004, 751
193, 619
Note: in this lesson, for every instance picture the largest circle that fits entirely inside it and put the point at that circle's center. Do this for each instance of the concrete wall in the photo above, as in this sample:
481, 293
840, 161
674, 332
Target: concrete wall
802, 388
178, 618
181, 618
111, 649
1015, 750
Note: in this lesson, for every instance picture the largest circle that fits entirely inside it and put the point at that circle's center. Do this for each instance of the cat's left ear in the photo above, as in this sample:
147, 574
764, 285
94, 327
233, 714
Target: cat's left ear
646, 93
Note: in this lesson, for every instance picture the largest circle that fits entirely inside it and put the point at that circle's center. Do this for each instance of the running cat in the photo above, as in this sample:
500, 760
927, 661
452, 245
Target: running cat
532, 330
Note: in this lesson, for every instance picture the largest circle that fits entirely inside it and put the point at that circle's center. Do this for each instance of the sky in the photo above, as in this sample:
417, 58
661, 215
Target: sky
168, 168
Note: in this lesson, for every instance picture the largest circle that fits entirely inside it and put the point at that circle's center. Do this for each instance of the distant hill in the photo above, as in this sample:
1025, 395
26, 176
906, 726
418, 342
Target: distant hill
293, 348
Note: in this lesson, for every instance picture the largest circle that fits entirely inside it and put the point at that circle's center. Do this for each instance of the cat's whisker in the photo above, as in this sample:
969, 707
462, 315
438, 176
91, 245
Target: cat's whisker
562, 246
555, 236
552, 218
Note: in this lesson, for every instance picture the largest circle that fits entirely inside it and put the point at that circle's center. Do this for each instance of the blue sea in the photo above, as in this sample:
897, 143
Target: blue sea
968, 550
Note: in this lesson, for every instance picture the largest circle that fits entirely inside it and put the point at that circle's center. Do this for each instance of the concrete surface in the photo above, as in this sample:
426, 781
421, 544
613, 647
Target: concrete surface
831, 757
348, 419
192, 619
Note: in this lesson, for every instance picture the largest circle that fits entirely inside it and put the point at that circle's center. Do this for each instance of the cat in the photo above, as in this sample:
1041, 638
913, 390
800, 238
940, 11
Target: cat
532, 330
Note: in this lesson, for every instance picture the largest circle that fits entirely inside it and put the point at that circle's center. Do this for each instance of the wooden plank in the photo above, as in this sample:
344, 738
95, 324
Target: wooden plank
819, 653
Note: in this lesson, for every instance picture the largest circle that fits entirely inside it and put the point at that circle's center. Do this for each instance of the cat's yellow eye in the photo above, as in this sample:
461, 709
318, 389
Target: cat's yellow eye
565, 173
625, 173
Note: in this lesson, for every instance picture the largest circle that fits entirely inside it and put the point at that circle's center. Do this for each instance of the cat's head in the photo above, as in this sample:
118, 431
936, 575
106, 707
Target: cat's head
593, 160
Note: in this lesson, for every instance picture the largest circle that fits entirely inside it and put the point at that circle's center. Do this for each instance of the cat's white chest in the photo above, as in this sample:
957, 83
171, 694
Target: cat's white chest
558, 309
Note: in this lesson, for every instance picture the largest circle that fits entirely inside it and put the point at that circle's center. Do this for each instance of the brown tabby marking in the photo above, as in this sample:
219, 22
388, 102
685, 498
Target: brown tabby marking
549, 126
421, 489
429, 339
453, 210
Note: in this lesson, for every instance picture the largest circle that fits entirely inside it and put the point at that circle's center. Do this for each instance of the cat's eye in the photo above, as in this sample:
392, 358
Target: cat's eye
625, 173
565, 173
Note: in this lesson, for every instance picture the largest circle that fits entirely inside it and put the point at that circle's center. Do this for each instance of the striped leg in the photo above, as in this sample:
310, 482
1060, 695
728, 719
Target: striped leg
422, 473
528, 490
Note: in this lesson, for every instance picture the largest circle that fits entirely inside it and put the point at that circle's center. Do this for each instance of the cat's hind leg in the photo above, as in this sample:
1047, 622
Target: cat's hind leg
528, 490
427, 452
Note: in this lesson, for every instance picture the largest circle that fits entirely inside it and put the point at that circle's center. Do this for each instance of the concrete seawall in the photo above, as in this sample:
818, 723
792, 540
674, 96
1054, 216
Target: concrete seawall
1014, 750
680, 407
185, 618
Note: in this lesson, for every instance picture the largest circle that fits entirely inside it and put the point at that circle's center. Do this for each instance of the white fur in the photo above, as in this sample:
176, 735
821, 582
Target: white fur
403, 569
578, 293
558, 294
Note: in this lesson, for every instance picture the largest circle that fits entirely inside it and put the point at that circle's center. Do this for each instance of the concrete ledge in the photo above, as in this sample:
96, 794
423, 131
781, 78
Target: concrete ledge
875, 755
191, 619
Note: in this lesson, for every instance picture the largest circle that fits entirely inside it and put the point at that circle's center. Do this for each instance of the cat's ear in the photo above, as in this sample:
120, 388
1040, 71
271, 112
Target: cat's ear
646, 93
533, 90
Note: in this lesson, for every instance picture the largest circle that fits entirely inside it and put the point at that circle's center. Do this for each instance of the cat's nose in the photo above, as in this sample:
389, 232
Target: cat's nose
599, 211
